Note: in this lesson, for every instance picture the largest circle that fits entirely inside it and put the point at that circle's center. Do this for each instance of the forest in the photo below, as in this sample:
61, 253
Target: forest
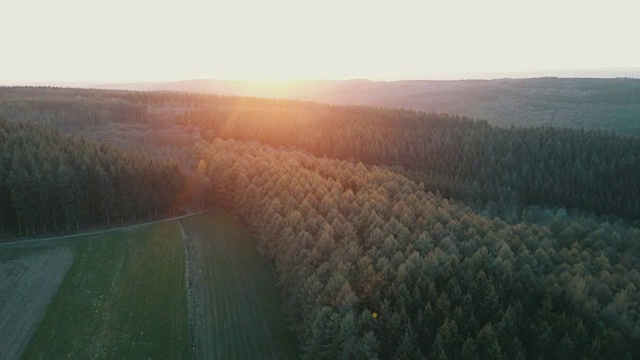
47, 180
460, 158
349, 240
394, 233
610, 104
463, 159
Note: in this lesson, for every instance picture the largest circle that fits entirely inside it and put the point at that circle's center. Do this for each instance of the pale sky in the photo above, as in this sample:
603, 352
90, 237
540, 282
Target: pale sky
143, 40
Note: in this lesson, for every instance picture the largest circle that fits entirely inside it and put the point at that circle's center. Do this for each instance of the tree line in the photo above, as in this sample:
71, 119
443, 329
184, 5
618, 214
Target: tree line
51, 182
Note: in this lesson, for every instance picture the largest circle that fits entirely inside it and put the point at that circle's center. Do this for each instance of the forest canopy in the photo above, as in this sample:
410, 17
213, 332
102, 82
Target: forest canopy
348, 240
462, 159
48, 180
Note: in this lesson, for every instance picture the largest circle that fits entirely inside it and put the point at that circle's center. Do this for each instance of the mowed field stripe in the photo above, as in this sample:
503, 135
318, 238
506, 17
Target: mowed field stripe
234, 291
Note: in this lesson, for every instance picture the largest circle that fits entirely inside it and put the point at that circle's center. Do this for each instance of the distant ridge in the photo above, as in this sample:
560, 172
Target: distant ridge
611, 104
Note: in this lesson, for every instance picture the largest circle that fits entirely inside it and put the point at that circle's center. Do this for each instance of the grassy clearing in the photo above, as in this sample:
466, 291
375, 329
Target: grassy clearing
27, 285
123, 297
237, 309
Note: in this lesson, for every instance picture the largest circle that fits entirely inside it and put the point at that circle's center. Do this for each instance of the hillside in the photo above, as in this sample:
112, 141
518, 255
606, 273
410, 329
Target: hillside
393, 233
597, 104
483, 165
372, 267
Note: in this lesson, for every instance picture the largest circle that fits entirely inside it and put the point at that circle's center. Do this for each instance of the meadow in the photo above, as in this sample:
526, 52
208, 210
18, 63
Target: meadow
124, 297
134, 294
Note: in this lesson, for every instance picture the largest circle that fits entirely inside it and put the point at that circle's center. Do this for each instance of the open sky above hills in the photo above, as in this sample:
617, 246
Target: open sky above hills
77, 41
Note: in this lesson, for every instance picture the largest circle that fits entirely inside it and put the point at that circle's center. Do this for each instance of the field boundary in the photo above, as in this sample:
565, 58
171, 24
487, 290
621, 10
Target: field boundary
128, 227
189, 279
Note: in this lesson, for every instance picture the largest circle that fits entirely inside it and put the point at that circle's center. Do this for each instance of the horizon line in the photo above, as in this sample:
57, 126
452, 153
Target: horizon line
583, 73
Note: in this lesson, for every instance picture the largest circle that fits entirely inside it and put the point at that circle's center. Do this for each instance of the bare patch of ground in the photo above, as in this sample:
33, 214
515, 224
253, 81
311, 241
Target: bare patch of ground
27, 285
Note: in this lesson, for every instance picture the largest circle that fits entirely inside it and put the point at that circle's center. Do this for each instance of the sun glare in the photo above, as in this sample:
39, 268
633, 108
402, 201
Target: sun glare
71, 40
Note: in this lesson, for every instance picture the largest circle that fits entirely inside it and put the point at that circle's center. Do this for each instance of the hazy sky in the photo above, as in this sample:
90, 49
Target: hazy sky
137, 40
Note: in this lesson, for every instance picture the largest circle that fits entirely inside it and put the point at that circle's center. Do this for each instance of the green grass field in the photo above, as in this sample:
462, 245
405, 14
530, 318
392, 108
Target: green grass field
28, 283
238, 312
124, 297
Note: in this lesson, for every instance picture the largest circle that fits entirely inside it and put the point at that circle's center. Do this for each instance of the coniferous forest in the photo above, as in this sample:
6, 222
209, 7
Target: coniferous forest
349, 240
465, 240
49, 181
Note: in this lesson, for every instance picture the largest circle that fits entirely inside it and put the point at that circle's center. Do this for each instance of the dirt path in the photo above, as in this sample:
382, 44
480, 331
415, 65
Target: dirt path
190, 278
100, 231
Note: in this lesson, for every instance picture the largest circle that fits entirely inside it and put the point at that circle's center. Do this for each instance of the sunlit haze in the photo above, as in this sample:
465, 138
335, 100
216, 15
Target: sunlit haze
118, 40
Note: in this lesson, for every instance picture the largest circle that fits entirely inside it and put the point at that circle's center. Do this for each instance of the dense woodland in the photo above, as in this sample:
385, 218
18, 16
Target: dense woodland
460, 158
468, 241
349, 240
49, 181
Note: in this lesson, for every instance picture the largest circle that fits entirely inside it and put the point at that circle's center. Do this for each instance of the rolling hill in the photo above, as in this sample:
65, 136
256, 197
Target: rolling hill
393, 233
597, 104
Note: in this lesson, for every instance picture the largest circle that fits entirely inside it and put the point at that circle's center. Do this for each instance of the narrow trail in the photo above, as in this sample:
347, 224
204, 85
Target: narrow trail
190, 279
98, 232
